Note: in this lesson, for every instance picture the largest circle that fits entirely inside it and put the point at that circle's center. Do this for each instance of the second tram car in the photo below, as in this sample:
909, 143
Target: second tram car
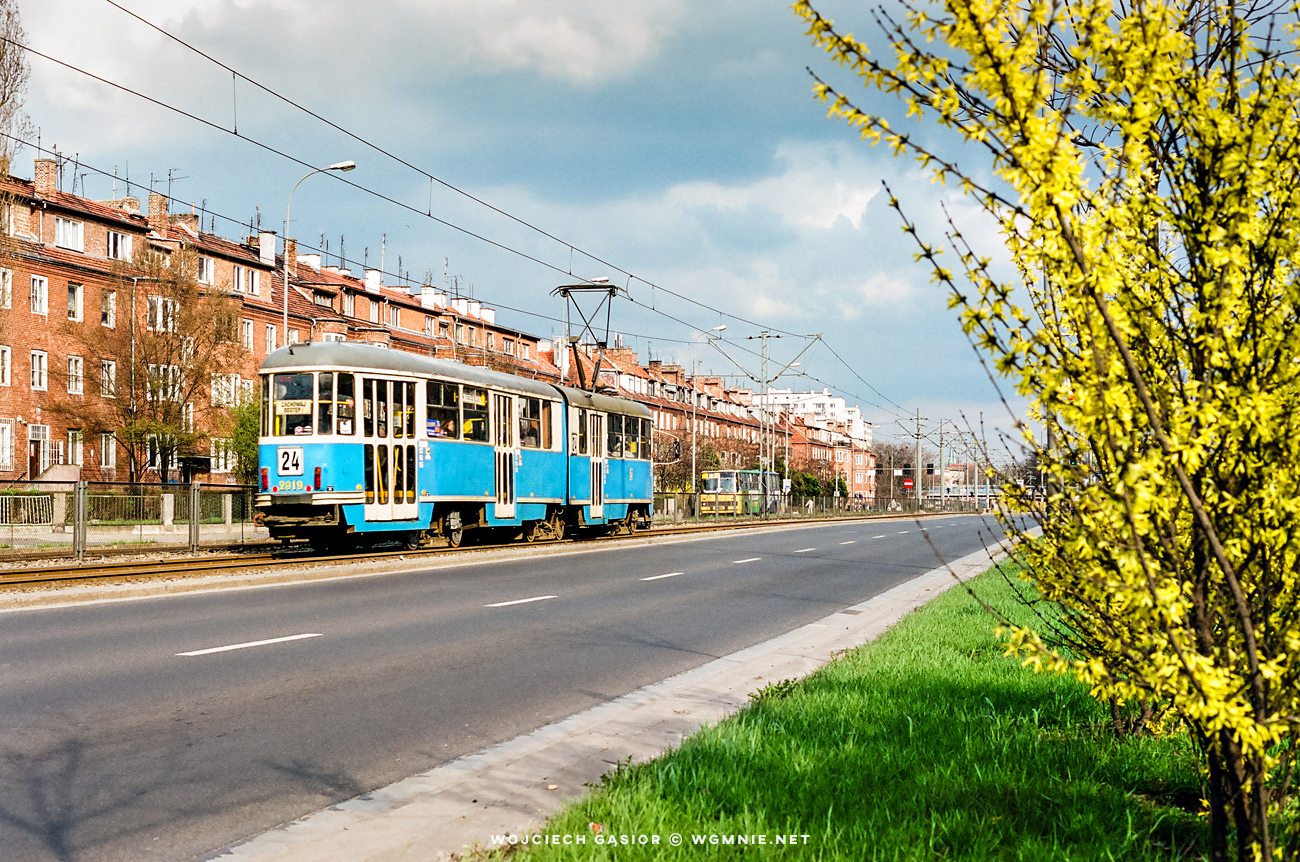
360, 442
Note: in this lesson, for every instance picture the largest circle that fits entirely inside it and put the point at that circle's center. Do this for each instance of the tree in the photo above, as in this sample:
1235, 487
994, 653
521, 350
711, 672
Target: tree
14, 123
1145, 164
164, 378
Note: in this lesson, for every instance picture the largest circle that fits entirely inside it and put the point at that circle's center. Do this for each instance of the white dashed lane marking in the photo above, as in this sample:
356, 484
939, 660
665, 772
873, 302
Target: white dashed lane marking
521, 601
903, 532
210, 650
747, 560
877, 537
850, 542
804, 550
658, 577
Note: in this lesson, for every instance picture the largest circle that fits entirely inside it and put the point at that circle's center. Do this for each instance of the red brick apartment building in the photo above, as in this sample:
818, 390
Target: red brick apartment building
74, 271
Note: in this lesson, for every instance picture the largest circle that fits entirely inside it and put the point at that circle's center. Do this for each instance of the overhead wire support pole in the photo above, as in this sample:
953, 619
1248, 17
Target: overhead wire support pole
568, 291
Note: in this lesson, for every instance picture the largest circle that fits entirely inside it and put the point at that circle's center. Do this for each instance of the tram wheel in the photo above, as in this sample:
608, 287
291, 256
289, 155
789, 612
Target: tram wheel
455, 537
412, 540
557, 525
532, 531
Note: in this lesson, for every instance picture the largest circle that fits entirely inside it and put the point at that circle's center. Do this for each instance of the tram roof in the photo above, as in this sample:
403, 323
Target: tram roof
361, 356
603, 403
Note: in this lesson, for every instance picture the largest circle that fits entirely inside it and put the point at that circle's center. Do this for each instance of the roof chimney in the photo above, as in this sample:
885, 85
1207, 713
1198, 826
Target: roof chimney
291, 255
374, 280
47, 176
158, 212
266, 247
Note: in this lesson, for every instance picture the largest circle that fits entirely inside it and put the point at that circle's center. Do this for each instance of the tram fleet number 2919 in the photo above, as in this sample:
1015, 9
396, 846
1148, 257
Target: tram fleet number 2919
359, 443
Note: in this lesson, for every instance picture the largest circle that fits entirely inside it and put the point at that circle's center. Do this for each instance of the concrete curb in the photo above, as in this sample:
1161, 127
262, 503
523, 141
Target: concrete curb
506, 788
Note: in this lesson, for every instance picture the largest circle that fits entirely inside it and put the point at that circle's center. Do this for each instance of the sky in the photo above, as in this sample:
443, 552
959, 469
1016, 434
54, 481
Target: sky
675, 140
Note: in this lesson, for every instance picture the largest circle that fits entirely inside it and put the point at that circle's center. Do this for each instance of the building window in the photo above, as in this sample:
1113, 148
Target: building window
74, 447
40, 295
349, 305
119, 246
108, 308
374, 311
5, 362
428, 325
206, 267
460, 333
251, 285
6, 444
223, 456
40, 371
323, 299
246, 335
270, 337
162, 314
75, 293
164, 383
491, 341
225, 390
67, 233
293, 336
333, 336
107, 451
394, 316
237, 278
444, 328
524, 351
75, 366
6, 288
508, 346
108, 378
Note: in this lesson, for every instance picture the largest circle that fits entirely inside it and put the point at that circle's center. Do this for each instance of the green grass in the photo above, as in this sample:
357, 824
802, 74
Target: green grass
926, 744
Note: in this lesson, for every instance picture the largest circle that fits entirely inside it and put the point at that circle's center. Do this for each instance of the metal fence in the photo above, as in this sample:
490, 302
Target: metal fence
691, 508
74, 516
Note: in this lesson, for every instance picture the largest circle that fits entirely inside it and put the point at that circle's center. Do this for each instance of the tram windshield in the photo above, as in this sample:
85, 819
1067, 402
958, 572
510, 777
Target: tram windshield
715, 483
291, 405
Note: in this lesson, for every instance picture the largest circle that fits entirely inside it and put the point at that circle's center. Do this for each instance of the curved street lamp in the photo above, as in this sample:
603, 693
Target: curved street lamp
337, 166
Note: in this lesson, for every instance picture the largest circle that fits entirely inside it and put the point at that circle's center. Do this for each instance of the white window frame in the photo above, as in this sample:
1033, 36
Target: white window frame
6, 364
69, 233
76, 301
76, 375
246, 334
162, 314
40, 366
6, 288
252, 284
76, 455
333, 336
293, 336
118, 245
108, 308
349, 305
237, 277
163, 383
270, 338
205, 270
222, 455
6, 444
225, 390
40, 294
108, 378
107, 450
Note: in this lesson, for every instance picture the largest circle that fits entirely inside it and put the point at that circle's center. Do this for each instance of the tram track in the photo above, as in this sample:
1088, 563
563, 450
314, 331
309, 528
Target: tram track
79, 573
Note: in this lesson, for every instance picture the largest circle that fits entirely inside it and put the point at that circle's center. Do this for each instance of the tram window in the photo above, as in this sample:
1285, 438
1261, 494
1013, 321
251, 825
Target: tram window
410, 473
293, 398
410, 410
582, 432
475, 407
381, 470
442, 409
381, 409
325, 403
548, 426
631, 437
615, 448
530, 422
399, 416
266, 405
347, 405
370, 470
368, 407
399, 474
646, 434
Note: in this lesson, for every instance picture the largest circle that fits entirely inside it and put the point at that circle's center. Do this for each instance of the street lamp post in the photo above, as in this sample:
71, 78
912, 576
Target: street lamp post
338, 166
695, 409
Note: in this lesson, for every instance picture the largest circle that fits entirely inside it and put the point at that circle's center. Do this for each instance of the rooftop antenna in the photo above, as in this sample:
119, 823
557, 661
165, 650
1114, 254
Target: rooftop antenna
602, 293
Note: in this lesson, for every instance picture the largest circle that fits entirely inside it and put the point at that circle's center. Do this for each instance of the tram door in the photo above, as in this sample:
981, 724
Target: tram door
597, 438
388, 438
503, 443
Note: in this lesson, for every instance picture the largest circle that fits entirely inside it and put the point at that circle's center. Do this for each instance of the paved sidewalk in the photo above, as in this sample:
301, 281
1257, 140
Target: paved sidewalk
512, 787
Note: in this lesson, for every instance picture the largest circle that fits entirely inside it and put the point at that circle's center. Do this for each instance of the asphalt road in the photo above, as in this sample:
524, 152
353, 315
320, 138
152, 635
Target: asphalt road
117, 745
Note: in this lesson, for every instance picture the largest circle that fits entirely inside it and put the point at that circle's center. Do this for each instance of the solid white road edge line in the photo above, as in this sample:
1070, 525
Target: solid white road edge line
521, 601
251, 644
658, 577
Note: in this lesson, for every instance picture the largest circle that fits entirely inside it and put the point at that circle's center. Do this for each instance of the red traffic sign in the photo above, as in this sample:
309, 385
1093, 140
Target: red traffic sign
907, 483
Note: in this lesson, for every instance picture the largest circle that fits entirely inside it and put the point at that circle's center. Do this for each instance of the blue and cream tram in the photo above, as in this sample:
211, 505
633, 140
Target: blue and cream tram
359, 442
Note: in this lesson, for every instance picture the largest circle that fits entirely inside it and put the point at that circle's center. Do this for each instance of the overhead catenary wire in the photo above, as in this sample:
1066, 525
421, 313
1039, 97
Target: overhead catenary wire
233, 131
